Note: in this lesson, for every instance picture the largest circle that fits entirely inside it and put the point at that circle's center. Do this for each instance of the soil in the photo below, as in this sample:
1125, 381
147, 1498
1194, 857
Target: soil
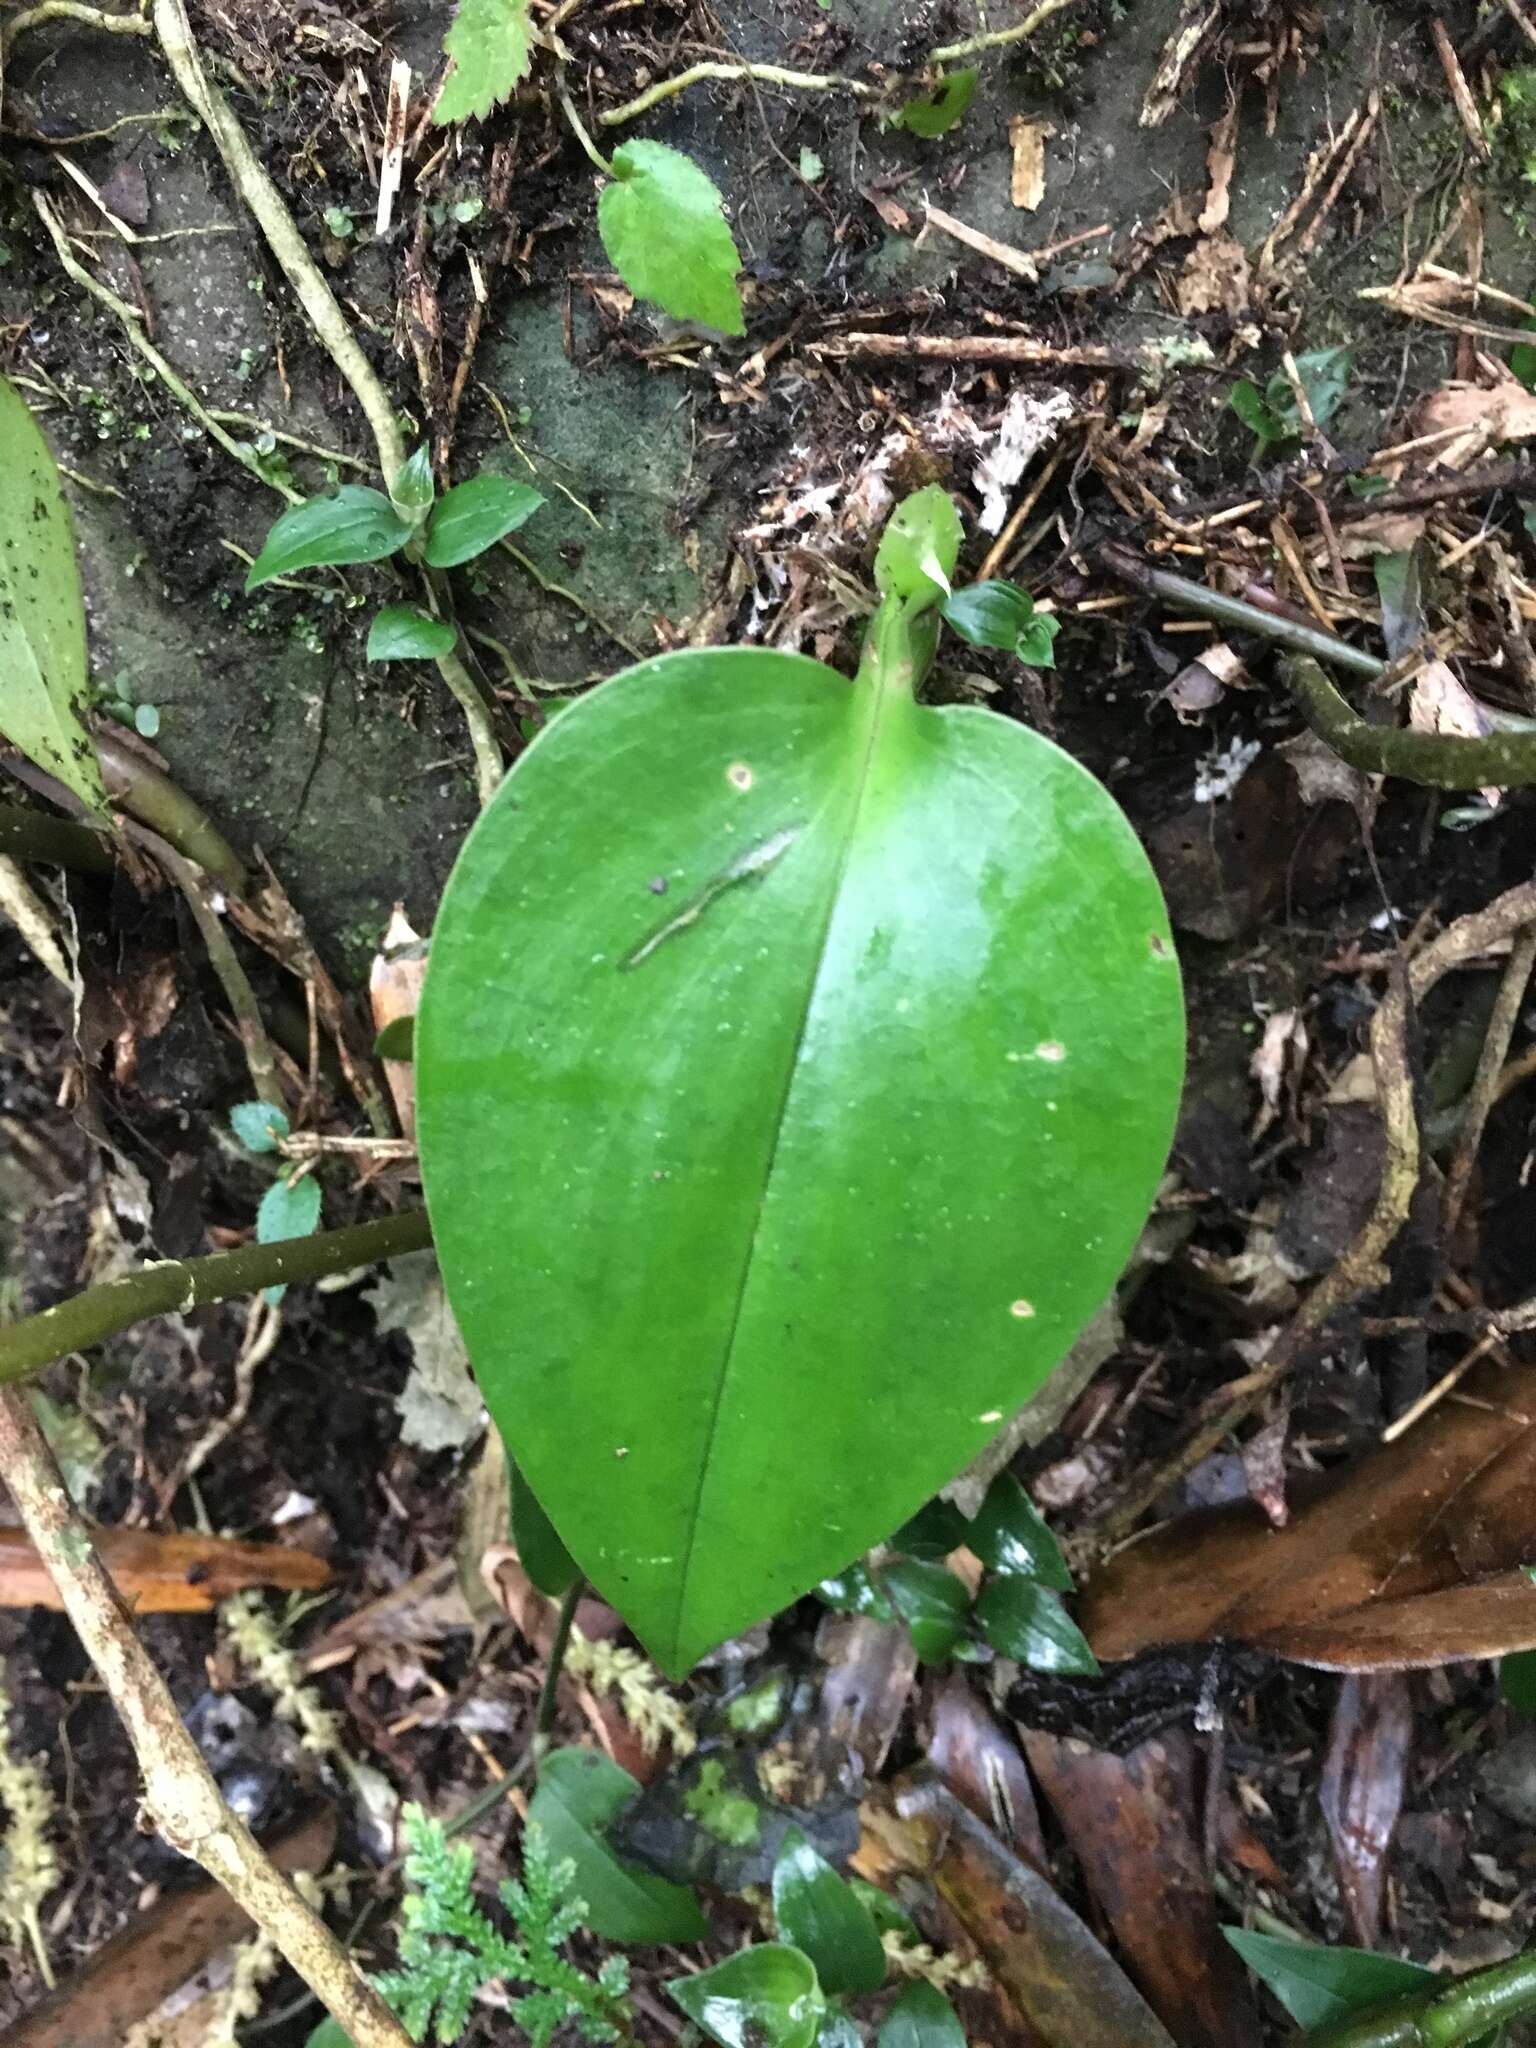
665, 461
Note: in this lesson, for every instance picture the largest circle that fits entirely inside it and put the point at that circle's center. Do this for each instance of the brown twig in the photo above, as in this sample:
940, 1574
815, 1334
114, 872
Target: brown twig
1461, 92
969, 348
180, 1792
1485, 1082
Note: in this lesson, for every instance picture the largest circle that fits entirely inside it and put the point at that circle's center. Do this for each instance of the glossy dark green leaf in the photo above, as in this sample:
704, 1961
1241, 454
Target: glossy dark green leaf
1010, 1535
934, 1531
1036, 645
401, 633
397, 1041
819, 1914
354, 524
414, 487
943, 108
473, 516
258, 1126
855, 1592
761, 1997
1028, 1623
1319, 1986
544, 1557
921, 2018
663, 225
920, 546
778, 1021
579, 1794
931, 1601
44, 675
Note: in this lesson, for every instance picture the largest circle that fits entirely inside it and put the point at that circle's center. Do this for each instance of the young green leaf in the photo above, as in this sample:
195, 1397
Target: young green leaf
491, 49
1247, 401
1036, 645
414, 488
663, 225
943, 108
288, 1209
919, 548
579, 1793
258, 1126
1009, 1535
921, 2018
354, 524
543, 1556
1321, 1986
401, 633
397, 1041
825, 900
44, 675
1325, 375
819, 1914
473, 516
762, 1997
931, 1601
1028, 1623
991, 614
1522, 359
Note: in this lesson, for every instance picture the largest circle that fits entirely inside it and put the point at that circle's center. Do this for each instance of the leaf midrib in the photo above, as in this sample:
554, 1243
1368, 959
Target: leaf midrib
884, 688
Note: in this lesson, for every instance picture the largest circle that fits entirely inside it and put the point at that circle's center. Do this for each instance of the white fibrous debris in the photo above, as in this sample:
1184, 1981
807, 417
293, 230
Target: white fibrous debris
1031, 421
1221, 770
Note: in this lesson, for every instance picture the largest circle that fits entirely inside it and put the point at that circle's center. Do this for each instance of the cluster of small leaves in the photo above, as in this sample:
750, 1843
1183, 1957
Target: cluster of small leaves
1274, 414
291, 1206
1019, 1612
449, 1950
998, 614
357, 524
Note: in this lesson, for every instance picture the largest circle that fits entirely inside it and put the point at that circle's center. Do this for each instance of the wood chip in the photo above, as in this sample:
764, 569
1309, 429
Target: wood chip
1027, 139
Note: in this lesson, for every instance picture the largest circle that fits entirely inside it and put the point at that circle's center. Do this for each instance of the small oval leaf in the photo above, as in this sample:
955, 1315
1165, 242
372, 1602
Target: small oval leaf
663, 225
931, 1601
1010, 1535
859, 1041
258, 1125
921, 2018
579, 1793
920, 546
401, 633
473, 516
288, 1209
943, 108
354, 524
44, 676
762, 1997
818, 1913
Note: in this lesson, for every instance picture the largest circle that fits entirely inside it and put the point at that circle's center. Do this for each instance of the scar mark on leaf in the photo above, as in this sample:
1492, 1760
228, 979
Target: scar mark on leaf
755, 861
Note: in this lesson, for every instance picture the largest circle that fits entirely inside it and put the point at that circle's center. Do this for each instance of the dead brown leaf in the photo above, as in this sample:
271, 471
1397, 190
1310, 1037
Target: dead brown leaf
164, 1574
1362, 1791
1216, 278
972, 1754
1131, 1823
394, 990
1408, 1560
1468, 419
1219, 163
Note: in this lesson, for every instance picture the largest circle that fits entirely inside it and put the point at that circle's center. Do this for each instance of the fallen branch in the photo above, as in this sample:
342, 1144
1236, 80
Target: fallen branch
1183, 595
71, 10
701, 74
181, 1285
1485, 1082
181, 1794
969, 348
1502, 760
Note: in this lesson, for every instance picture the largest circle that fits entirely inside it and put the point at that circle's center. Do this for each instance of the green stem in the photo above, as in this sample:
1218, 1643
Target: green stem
1000, 38
544, 1715
1478, 2005
33, 835
183, 1284
1503, 760
578, 128
149, 795
763, 74
72, 10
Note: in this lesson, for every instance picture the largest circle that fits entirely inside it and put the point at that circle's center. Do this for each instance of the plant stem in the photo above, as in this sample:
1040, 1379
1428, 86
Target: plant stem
544, 1716
999, 38
578, 128
184, 1284
180, 1792
133, 327
71, 10
262, 197
1445, 2018
489, 766
33, 835
763, 74
225, 962
1503, 760
149, 795
1187, 596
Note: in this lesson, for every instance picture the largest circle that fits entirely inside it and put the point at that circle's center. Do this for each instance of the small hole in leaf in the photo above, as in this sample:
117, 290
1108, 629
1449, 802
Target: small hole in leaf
739, 775
1022, 1309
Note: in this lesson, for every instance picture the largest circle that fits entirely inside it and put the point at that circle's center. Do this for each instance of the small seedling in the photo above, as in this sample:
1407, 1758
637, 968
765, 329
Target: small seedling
1274, 414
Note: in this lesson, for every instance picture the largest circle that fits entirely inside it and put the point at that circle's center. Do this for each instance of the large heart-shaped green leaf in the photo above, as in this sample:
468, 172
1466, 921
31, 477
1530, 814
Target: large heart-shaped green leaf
796, 1066
44, 679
